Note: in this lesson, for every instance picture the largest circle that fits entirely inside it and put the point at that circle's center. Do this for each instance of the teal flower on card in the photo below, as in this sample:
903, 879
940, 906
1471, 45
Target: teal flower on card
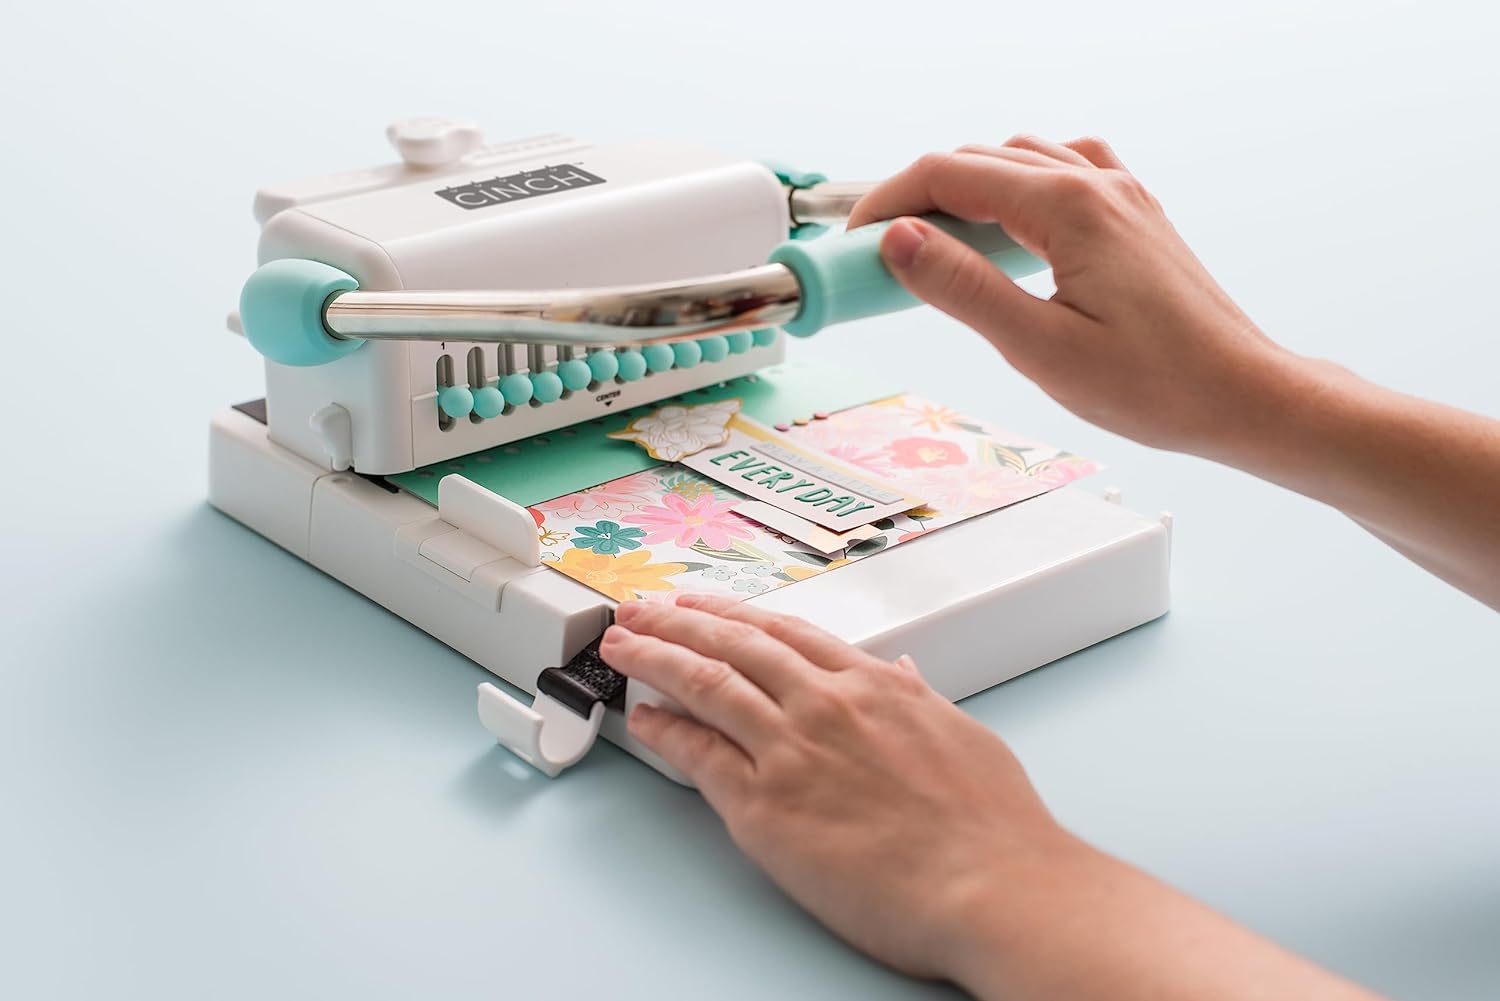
608, 538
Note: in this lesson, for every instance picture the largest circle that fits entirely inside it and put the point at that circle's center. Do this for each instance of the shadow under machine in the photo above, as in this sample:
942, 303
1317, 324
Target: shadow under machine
509, 385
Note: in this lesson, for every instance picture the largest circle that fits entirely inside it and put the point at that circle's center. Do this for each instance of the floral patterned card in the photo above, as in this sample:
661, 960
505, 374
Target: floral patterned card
670, 529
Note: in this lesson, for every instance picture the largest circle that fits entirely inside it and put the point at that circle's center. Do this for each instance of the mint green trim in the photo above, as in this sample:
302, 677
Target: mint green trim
843, 277
529, 472
764, 337
740, 342
281, 311
686, 354
794, 178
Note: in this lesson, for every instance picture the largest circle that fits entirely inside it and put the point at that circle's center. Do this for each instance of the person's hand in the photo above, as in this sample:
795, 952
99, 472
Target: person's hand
1139, 339
870, 799
908, 828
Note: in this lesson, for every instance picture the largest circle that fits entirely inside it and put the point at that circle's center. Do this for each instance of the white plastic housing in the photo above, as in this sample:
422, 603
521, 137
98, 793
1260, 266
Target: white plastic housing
975, 604
665, 210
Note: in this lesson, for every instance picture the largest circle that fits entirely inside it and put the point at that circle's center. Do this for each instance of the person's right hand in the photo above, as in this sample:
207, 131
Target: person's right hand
1139, 339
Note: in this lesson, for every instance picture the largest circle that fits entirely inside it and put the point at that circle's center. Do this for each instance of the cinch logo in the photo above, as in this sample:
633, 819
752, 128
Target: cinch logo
515, 187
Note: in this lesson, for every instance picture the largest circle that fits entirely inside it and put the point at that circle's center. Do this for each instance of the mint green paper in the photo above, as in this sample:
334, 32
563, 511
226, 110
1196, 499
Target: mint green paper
531, 471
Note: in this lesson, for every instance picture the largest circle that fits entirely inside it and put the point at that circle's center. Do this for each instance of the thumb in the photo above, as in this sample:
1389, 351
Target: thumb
960, 281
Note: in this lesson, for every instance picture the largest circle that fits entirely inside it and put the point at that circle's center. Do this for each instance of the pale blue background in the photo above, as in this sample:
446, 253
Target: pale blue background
225, 775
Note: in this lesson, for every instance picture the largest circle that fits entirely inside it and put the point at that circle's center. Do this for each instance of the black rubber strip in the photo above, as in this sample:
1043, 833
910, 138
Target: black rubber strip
583, 681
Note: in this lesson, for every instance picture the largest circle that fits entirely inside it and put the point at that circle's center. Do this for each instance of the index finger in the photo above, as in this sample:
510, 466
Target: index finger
974, 186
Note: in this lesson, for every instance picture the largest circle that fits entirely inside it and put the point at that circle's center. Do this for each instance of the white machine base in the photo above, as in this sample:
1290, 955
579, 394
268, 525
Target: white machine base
976, 604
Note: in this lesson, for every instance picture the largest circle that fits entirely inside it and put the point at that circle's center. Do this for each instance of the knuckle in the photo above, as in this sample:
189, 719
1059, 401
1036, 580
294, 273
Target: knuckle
706, 677
963, 282
730, 634
1091, 144
822, 707
932, 163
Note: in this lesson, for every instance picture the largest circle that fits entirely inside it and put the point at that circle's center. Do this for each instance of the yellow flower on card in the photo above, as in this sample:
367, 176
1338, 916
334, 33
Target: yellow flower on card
618, 577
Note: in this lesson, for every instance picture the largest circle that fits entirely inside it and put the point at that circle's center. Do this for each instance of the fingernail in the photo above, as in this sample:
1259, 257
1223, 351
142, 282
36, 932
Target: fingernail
901, 242
627, 610
640, 714
616, 634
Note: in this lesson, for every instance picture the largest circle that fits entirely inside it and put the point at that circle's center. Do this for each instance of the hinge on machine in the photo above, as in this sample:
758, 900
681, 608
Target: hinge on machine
562, 722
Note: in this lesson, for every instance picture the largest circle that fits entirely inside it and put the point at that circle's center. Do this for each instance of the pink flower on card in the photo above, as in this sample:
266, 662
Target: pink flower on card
615, 498
877, 461
925, 453
686, 522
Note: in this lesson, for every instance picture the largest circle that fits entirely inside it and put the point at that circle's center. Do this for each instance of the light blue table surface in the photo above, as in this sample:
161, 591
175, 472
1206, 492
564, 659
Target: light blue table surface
225, 775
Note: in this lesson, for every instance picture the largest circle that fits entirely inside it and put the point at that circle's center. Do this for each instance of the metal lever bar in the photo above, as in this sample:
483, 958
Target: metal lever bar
299, 312
765, 296
826, 204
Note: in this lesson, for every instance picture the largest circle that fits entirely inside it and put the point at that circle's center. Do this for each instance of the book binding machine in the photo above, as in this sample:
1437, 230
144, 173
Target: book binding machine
475, 302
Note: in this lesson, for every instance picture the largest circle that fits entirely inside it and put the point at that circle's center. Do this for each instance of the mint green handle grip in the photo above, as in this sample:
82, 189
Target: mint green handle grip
843, 277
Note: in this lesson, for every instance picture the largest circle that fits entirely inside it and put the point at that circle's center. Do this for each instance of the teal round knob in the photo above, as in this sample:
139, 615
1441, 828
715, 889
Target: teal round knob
714, 348
686, 354
659, 357
765, 337
546, 387
603, 365
739, 342
456, 401
632, 365
488, 402
281, 312
516, 389
575, 374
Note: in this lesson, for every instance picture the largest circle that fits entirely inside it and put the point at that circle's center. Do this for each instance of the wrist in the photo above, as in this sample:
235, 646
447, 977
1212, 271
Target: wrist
998, 916
1281, 413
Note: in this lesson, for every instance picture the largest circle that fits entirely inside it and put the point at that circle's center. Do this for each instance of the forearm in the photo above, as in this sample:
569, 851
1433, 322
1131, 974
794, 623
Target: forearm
1421, 476
1085, 926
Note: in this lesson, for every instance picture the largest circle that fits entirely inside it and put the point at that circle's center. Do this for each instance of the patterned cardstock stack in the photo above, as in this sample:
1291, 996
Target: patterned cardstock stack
671, 529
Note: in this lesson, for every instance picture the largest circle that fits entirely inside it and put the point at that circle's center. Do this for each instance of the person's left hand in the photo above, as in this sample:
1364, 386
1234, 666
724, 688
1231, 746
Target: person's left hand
891, 815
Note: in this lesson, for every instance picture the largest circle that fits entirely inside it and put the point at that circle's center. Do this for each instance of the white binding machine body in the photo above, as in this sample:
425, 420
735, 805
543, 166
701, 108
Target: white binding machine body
478, 297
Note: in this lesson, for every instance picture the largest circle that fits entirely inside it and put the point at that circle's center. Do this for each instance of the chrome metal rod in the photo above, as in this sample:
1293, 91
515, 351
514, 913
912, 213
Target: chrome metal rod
764, 296
826, 204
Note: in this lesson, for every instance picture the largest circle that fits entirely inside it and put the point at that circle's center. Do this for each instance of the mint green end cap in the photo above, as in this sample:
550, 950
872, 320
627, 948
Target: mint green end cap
843, 277
456, 401
281, 311
794, 178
